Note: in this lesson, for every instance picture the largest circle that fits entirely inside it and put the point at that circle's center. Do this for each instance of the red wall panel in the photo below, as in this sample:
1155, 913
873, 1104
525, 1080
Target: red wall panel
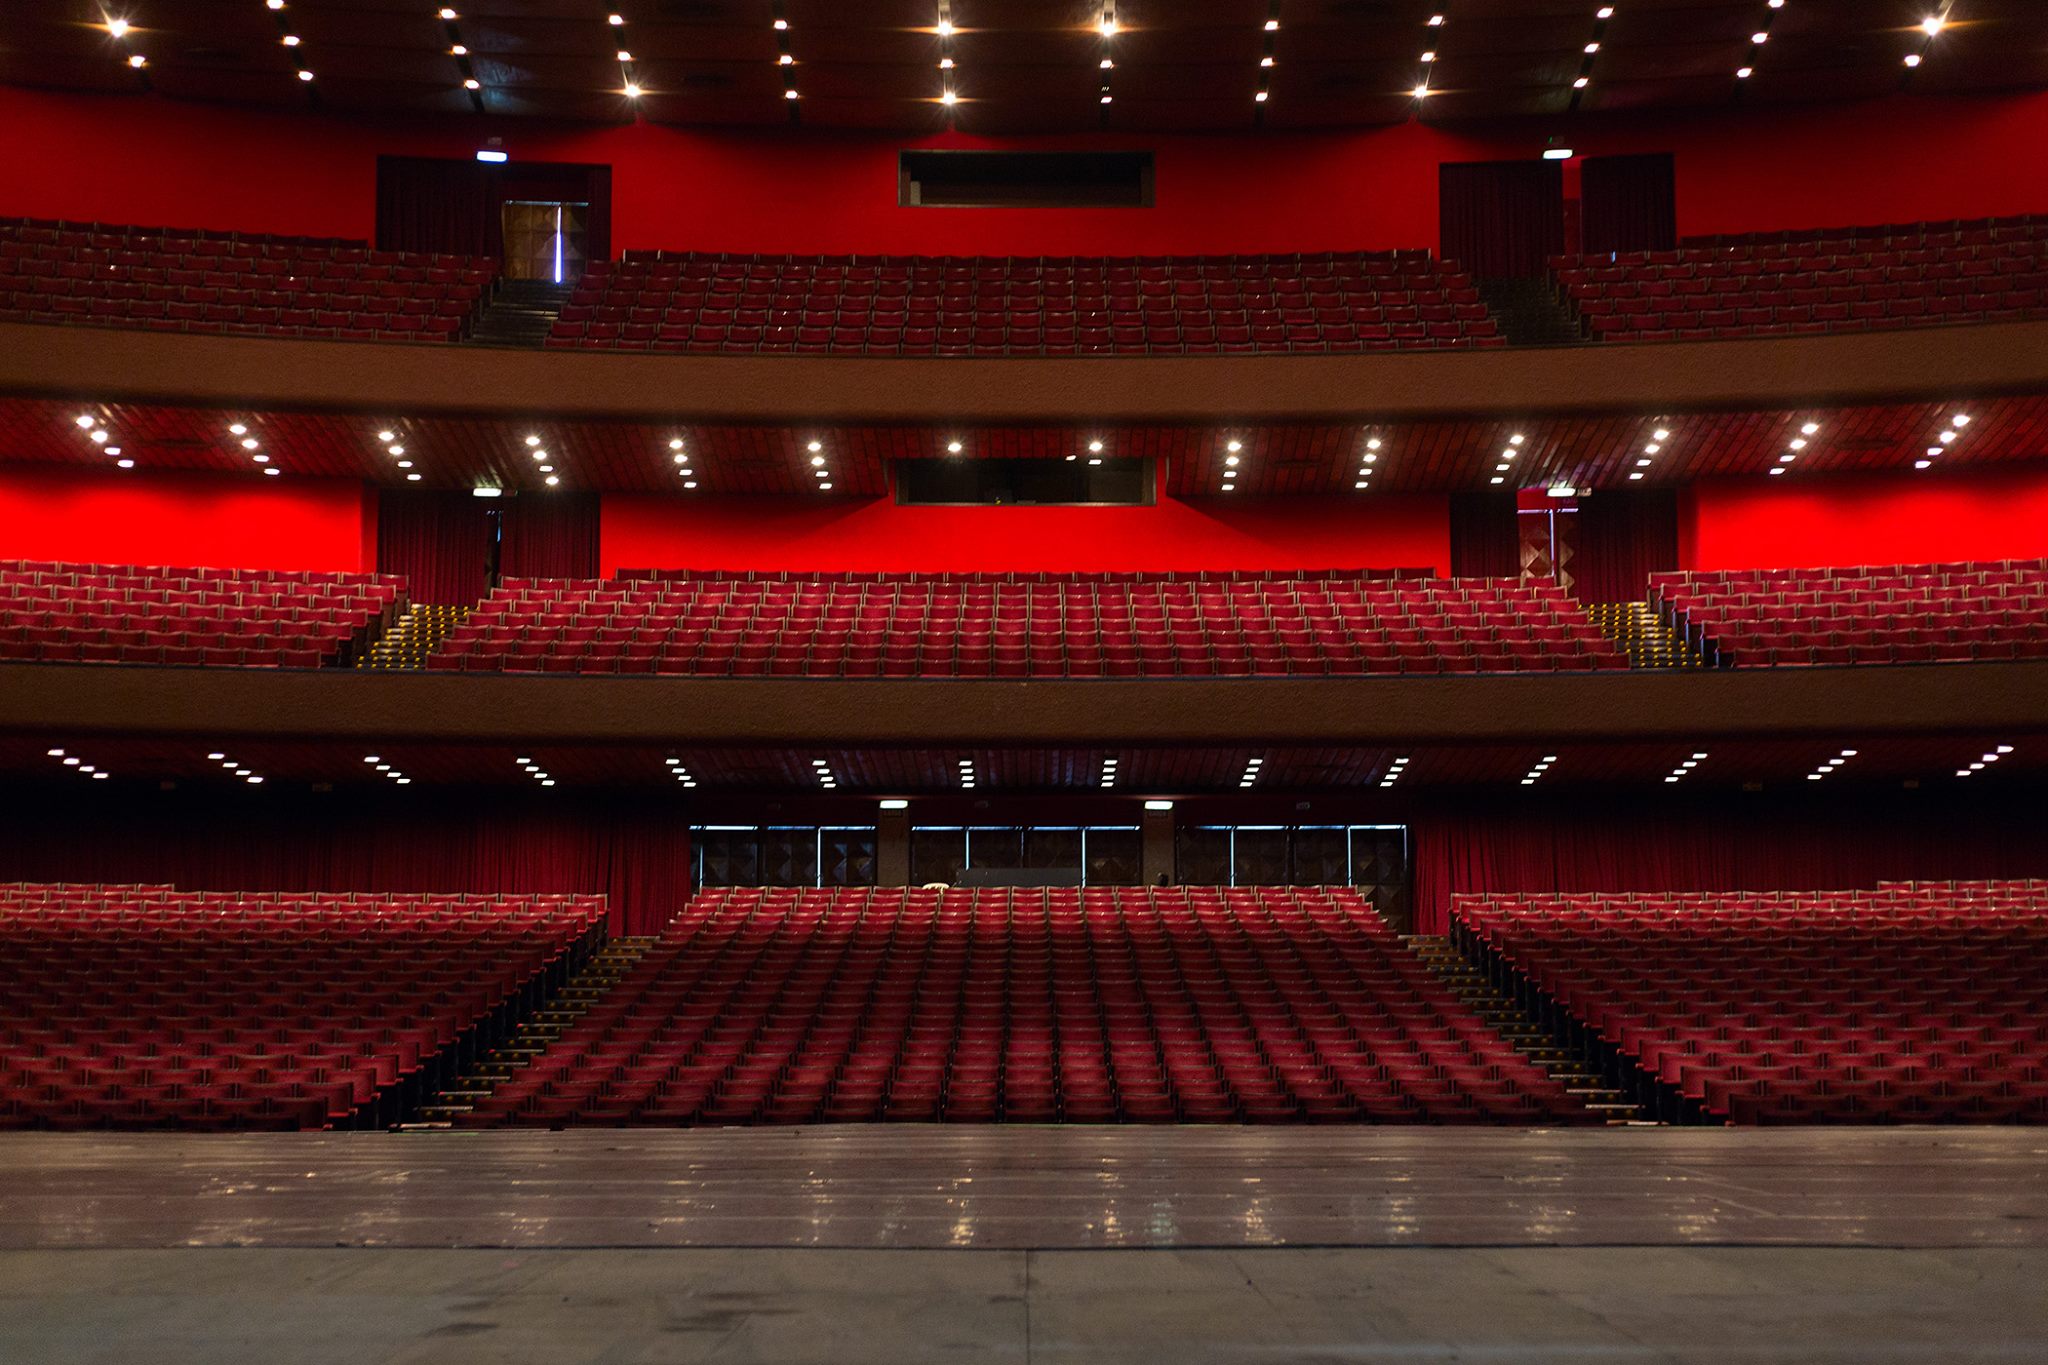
142, 159
877, 534
1908, 518
187, 520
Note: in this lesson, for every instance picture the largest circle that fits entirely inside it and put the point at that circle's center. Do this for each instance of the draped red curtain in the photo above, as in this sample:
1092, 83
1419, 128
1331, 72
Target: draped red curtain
1619, 539
1502, 219
1628, 203
634, 850
549, 536
443, 542
1737, 844
1486, 536
446, 205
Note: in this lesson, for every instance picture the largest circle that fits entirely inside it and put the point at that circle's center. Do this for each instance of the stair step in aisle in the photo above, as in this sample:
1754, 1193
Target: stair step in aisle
412, 637
1644, 635
1525, 1035
571, 1003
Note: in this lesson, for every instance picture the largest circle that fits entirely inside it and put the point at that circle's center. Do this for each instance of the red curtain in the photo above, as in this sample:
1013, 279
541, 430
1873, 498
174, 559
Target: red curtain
1502, 219
437, 204
1628, 203
1738, 844
548, 536
636, 850
1619, 539
1486, 536
443, 542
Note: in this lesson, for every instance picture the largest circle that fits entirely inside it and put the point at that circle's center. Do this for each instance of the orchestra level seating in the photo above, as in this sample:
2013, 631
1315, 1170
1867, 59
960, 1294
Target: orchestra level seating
1903, 613
244, 284
1079, 625
1830, 280
1909, 1003
1008, 306
1263, 1005
102, 613
142, 1006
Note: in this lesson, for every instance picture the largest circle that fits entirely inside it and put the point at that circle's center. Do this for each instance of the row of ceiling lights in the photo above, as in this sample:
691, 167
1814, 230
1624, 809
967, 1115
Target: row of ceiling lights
969, 778
253, 447
97, 431
78, 765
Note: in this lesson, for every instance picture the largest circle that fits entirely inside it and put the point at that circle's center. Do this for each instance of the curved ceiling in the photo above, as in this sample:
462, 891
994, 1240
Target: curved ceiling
1022, 65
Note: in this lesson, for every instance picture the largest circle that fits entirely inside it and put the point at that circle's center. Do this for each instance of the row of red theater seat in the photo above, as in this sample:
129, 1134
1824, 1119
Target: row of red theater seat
1909, 1003
72, 613
1060, 628
1832, 281
161, 279
141, 1006
1910, 613
1150, 1006
1001, 306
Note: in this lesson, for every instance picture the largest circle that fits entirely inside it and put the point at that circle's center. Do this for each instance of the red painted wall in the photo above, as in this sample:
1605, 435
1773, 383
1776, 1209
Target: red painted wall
1913, 518
877, 534
185, 520
144, 159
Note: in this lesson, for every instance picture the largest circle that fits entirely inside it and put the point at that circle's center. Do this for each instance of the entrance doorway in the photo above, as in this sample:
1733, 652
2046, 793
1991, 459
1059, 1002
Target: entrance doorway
545, 240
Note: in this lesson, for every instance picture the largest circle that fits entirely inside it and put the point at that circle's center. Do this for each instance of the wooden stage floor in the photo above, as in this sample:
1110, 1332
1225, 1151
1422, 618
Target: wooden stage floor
904, 1244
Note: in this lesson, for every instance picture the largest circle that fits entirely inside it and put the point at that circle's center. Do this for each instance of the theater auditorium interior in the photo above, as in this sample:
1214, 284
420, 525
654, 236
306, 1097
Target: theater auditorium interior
1023, 680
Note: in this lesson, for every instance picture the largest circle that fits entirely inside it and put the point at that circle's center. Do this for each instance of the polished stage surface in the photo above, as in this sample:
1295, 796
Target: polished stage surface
1079, 1244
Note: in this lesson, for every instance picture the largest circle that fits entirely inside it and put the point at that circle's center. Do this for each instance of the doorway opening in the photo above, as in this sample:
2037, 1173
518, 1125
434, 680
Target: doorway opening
545, 240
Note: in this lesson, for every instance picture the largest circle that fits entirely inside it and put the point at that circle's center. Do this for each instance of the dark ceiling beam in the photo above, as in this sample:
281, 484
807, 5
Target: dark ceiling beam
219, 704
108, 365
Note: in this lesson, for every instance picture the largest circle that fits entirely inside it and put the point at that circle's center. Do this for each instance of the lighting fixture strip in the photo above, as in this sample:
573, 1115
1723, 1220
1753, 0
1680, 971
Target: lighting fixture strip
396, 450
1232, 457
1270, 37
1106, 25
1678, 773
1543, 766
680, 773
1507, 458
822, 770
1587, 56
122, 31
452, 32
288, 38
1930, 29
685, 469
1425, 66
1757, 38
99, 433
1651, 449
235, 766
535, 771
1251, 772
1795, 447
79, 765
786, 59
1946, 439
1831, 765
1367, 464
1967, 770
252, 445
542, 461
1109, 767
949, 95
967, 777
629, 79
820, 471
389, 770
1396, 771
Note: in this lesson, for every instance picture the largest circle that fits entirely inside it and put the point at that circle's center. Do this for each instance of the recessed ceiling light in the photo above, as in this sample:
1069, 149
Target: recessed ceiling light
305, 75
138, 61
615, 20
1095, 447
953, 447
624, 55
1744, 72
949, 98
290, 40
458, 51
1912, 59
632, 90
1422, 92
1932, 25
551, 479
1581, 83
448, 13
1811, 428
1260, 97
472, 84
